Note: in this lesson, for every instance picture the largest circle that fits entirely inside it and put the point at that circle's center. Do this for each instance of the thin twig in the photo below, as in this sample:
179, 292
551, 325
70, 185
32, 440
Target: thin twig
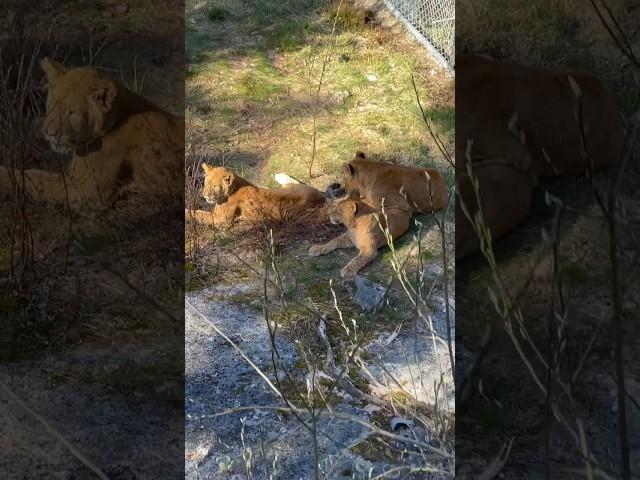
54, 433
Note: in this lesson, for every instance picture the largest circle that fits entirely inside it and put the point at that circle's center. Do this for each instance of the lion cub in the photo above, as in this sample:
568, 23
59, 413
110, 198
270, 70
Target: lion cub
364, 231
234, 198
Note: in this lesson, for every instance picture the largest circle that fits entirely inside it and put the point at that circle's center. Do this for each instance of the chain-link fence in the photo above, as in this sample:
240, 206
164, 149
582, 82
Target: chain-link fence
432, 22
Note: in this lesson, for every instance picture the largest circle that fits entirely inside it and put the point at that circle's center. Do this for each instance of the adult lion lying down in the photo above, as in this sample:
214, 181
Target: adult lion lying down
522, 124
119, 141
235, 198
417, 190
404, 190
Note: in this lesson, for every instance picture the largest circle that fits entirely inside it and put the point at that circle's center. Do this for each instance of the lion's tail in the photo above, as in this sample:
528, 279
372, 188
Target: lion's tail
286, 179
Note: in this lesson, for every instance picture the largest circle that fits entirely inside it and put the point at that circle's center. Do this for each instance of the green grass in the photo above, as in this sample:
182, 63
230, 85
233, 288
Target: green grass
262, 90
252, 90
266, 11
349, 18
196, 42
485, 31
287, 36
262, 82
217, 14
444, 118
427, 255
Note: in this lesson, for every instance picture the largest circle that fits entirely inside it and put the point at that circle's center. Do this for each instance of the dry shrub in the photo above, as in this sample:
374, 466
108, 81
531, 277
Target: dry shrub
312, 225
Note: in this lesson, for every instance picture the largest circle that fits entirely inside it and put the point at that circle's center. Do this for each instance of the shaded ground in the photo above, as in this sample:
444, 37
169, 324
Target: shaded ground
82, 345
253, 73
509, 405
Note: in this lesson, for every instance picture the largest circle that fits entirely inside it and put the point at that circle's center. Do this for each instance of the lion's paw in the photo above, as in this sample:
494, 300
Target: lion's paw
348, 273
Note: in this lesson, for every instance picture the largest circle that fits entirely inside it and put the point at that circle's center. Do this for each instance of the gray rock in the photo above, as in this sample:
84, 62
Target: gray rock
397, 422
368, 294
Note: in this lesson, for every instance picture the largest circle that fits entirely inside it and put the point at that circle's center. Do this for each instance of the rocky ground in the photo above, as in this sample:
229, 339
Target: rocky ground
509, 405
220, 382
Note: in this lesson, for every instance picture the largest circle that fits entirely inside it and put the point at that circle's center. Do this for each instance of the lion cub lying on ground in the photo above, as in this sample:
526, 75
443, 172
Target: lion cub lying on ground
235, 198
368, 186
119, 141
365, 230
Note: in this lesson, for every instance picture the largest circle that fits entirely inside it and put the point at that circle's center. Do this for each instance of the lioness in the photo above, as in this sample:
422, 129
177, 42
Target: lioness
364, 231
522, 124
417, 190
119, 141
234, 198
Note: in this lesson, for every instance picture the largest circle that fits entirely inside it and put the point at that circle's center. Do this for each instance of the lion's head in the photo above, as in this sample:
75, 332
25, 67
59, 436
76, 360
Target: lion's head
219, 183
344, 210
79, 105
350, 173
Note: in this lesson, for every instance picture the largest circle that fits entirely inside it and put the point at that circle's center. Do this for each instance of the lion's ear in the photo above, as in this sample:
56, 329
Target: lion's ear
360, 154
353, 206
104, 95
228, 179
205, 167
51, 68
349, 169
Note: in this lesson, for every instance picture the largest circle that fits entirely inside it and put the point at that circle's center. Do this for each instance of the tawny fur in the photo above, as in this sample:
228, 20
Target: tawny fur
364, 231
418, 190
522, 123
119, 142
369, 185
235, 198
